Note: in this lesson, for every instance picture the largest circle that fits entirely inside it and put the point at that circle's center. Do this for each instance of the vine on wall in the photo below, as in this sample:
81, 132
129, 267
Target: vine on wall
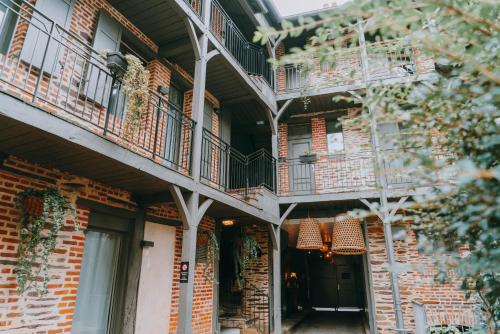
42, 215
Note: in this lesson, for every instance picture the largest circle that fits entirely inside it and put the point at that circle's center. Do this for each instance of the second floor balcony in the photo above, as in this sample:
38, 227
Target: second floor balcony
243, 176
51, 68
353, 173
386, 61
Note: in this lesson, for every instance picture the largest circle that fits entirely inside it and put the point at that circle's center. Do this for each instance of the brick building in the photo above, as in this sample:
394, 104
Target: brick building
219, 139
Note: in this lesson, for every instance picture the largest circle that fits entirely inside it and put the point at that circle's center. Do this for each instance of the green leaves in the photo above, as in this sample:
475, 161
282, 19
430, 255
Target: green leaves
38, 235
452, 120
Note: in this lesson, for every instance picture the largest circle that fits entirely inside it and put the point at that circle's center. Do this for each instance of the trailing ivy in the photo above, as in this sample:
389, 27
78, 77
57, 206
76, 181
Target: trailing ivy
212, 254
249, 250
135, 87
38, 237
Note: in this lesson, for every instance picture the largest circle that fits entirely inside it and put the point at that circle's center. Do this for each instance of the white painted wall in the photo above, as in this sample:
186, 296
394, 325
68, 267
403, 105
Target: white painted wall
155, 286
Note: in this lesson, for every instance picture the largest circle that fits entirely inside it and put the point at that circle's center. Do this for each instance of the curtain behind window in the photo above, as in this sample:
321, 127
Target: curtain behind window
97, 279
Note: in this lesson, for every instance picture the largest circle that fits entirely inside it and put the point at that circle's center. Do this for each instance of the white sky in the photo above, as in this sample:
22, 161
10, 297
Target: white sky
292, 7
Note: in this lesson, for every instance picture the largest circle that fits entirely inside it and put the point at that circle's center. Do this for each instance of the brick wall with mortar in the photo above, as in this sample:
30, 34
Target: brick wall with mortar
351, 171
53, 313
348, 67
63, 93
258, 273
417, 284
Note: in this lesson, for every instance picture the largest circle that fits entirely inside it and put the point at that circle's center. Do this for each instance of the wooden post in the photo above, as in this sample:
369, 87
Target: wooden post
133, 273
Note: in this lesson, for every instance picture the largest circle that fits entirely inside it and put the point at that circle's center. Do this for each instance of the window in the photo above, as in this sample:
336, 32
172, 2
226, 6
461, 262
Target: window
99, 303
334, 136
8, 15
37, 45
176, 96
388, 135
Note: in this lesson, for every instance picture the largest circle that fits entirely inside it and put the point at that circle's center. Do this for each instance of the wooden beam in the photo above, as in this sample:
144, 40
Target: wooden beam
287, 212
193, 37
133, 273
283, 109
203, 209
181, 206
212, 54
397, 207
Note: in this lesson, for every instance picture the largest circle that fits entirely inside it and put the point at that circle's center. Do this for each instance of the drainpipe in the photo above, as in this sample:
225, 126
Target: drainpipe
382, 182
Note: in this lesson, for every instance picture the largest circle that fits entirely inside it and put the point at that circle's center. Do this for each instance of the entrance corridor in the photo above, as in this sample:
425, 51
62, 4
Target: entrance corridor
332, 323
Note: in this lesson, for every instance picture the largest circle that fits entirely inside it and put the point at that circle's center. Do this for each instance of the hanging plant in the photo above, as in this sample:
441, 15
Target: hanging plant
135, 87
249, 249
42, 215
212, 252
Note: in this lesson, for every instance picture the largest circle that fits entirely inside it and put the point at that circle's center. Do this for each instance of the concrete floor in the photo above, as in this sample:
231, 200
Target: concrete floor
332, 323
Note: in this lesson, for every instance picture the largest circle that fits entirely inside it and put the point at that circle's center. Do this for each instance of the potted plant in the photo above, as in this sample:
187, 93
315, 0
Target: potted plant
308, 158
117, 63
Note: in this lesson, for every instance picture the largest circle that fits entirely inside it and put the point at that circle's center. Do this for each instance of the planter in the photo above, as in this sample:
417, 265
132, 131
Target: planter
308, 158
33, 206
117, 64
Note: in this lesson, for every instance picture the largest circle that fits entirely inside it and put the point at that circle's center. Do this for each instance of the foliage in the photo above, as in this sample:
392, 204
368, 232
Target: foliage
38, 237
453, 116
249, 250
212, 254
135, 87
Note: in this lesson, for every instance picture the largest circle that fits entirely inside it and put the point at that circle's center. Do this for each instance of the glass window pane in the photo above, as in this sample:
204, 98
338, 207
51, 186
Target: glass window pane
97, 280
334, 136
335, 142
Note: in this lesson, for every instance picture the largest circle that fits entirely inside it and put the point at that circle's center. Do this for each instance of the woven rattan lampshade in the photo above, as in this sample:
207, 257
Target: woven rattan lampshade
347, 237
309, 235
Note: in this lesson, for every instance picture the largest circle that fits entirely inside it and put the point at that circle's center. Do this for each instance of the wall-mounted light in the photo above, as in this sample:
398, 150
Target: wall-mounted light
228, 222
260, 122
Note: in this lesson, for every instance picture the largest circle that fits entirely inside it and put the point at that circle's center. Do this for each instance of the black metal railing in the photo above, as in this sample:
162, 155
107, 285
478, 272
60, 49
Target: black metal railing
256, 307
385, 60
225, 168
58, 72
328, 174
250, 56
351, 172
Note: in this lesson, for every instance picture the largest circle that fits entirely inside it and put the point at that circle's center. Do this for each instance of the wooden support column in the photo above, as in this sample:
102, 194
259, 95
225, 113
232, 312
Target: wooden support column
133, 272
191, 214
276, 252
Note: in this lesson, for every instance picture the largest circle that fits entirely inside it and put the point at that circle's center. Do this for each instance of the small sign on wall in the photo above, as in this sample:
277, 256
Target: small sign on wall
184, 272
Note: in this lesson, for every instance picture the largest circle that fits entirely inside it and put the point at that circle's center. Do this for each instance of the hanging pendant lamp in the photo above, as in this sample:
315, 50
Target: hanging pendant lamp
347, 236
309, 235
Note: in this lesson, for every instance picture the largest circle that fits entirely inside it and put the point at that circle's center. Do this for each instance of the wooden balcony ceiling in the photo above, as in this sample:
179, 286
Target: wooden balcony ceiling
164, 25
317, 103
68, 152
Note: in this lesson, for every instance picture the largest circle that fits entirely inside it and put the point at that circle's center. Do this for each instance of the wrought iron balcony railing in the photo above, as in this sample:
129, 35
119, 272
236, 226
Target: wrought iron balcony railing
386, 60
355, 172
226, 169
55, 70
250, 56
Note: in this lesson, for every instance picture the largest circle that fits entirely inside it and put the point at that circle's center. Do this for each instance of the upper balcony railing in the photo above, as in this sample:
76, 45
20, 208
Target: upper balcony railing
55, 70
351, 172
250, 56
226, 169
386, 60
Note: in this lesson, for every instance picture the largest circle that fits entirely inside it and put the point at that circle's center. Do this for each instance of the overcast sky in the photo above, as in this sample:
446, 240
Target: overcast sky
292, 7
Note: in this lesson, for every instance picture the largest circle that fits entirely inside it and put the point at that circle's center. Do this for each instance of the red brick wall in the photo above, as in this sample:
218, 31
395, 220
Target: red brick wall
415, 285
258, 272
63, 93
54, 313
351, 171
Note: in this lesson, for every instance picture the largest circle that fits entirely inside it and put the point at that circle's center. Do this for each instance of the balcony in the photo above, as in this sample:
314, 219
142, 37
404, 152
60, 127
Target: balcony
54, 70
251, 57
354, 173
243, 176
387, 61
